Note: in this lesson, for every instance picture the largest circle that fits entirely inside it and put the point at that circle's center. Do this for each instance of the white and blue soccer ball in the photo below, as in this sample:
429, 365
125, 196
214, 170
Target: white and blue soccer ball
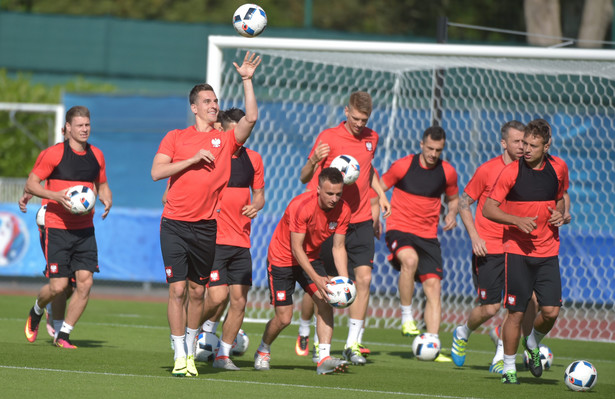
249, 20
82, 199
240, 345
207, 346
426, 347
546, 357
349, 167
40, 216
343, 292
580, 376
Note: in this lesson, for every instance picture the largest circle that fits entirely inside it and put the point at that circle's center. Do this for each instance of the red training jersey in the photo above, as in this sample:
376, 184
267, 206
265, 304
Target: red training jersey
530, 192
62, 167
303, 215
417, 192
362, 148
246, 171
194, 192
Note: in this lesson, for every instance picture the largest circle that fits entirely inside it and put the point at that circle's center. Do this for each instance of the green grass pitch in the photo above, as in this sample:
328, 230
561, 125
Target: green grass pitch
124, 352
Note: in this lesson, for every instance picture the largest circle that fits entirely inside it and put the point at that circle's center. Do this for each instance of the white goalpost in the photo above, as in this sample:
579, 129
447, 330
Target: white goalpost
303, 85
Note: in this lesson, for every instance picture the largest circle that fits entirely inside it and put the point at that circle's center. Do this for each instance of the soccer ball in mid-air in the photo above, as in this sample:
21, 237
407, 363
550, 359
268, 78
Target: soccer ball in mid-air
546, 357
240, 345
343, 291
580, 375
249, 20
207, 345
82, 199
426, 347
349, 167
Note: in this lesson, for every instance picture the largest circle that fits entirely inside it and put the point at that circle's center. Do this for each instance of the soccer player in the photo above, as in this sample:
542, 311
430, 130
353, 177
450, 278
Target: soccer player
419, 181
70, 244
486, 238
528, 199
354, 138
231, 272
198, 161
294, 257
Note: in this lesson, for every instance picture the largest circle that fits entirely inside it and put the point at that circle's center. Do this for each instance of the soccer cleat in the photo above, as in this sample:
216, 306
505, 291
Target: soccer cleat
261, 360
497, 367
409, 329
534, 362
494, 334
191, 370
353, 355
442, 359
364, 350
180, 369
458, 351
32, 323
301, 347
49, 321
224, 362
510, 377
315, 353
63, 341
331, 365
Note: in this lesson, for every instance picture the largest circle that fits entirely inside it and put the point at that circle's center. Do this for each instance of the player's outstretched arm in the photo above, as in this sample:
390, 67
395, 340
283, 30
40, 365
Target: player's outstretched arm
479, 247
296, 243
246, 71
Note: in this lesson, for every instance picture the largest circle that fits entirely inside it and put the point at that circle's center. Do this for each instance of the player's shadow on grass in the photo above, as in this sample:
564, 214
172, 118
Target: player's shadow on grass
89, 343
404, 355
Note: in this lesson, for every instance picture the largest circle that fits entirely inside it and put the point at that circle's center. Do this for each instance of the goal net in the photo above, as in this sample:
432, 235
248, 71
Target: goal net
303, 85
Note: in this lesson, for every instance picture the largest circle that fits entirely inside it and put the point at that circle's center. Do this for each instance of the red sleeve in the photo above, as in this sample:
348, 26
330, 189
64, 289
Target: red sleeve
167, 145
259, 170
344, 219
48, 160
398, 170
102, 176
505, 182
477, 184
451, 179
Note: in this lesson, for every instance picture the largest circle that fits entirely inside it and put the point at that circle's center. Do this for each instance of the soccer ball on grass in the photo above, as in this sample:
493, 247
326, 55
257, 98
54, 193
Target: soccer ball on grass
240, 345
207, 346
426, 347
580, 376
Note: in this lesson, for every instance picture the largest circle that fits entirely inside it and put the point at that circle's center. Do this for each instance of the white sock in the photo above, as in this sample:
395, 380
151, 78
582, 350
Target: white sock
324, 350
263, 347
190, 338
499, 352
209, 326
49, 310
37, 309
360, 340
534, 338
509, 363
315, 337
178, 343
354, 329
66, 328
304, 327
406, 314
224, 350
463, 331
57, 325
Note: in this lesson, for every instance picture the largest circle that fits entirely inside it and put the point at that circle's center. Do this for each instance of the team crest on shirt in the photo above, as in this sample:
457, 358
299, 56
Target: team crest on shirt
511, 300
53, 268
280, 295
369, 146
168, 271
483, 294
332, 225
214, 275
215, 142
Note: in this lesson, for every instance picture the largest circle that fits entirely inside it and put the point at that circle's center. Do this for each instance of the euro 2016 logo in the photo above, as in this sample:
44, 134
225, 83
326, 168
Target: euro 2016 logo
13, 238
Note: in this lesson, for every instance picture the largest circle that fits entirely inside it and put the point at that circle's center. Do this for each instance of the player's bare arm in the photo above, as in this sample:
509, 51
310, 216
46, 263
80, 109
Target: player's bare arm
296, 244
162, 167
450, 220
34, 187
557, 214
479, 248
23, 201
258, 203
321, 152
567, 215
245, 125
340, 257
383, 201
492, 211
106, 197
